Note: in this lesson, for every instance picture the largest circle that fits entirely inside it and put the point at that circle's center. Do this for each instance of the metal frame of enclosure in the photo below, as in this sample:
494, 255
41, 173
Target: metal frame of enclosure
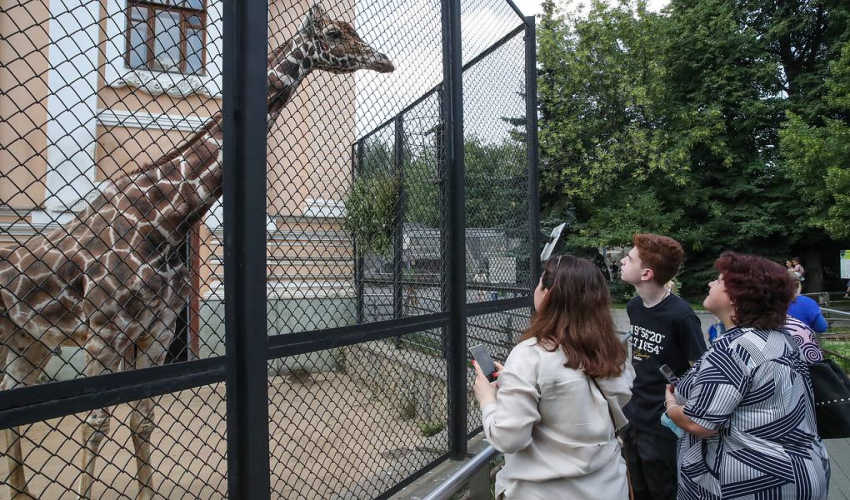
403, 312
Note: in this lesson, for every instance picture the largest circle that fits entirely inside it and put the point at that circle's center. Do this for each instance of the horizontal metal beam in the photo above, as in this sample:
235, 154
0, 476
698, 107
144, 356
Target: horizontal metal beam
53, 391
517, 11
494, 306
52, 401
304, 342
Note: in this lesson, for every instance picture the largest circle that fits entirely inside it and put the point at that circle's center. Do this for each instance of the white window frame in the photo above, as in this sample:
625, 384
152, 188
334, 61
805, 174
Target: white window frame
156, 83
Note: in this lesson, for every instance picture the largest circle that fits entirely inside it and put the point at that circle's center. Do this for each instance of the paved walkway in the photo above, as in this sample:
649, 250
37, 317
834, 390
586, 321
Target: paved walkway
839, 457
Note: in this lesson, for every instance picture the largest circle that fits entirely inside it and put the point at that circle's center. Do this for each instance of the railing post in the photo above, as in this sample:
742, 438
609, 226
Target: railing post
358, 259
532, 146
398, 230
442, 178
453, 112
244, 185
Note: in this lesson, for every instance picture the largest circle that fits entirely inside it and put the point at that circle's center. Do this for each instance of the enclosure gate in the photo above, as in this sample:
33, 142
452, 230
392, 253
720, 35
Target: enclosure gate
396, 144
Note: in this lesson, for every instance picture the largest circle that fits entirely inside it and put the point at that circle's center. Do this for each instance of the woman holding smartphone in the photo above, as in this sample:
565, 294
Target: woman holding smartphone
560, 393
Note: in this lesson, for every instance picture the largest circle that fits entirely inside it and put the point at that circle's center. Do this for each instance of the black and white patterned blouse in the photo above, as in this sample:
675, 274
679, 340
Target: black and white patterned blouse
805, 339
753, 387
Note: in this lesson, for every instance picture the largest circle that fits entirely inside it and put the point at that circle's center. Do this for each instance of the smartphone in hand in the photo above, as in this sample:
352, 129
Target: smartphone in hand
669, 375
673, 380
482, 357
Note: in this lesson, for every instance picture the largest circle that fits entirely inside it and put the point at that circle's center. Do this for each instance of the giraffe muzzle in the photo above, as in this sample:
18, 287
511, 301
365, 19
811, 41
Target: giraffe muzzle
381, 63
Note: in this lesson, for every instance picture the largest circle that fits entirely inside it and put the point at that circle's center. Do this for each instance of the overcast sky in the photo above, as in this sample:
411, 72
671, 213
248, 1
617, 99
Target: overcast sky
409, 32
531, 7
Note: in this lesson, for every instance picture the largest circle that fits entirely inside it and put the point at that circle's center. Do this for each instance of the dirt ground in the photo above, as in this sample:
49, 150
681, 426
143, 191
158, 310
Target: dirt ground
327, 435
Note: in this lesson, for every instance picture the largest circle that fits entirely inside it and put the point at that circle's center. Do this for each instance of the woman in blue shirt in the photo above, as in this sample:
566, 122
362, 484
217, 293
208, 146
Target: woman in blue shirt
806, 309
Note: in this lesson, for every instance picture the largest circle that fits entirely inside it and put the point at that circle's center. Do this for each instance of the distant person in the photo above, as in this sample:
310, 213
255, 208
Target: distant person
716, 330
560, 393
616, 269
847, 292
806, 309
664, 331
799, 269
747, 406
789, 265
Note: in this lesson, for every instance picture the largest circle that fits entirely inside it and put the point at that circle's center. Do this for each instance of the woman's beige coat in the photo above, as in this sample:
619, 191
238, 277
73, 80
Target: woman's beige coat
555, 428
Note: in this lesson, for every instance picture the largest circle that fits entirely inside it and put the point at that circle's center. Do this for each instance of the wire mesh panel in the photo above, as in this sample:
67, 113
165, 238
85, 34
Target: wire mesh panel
497, 186
499, 332
112, 239
111, 171
359, 430
183, 450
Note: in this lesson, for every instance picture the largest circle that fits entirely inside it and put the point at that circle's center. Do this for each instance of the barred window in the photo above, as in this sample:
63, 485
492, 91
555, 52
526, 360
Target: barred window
166, 35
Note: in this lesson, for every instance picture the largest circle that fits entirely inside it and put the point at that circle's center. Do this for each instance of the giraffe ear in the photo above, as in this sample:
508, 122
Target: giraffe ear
316, 13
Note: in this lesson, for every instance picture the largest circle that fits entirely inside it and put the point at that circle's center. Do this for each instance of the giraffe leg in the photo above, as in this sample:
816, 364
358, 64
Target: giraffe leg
96, 428
142, 418
141, 426
100, 358
25, 358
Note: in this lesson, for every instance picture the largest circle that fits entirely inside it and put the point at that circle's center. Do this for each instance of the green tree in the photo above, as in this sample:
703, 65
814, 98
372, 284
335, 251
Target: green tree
818, 155
670, 122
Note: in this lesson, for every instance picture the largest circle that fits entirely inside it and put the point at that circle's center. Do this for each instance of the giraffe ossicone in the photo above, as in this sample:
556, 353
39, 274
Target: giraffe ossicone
112, 280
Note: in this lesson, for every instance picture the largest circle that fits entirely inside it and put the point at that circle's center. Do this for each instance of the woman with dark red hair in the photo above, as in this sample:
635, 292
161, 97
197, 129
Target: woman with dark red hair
747, 406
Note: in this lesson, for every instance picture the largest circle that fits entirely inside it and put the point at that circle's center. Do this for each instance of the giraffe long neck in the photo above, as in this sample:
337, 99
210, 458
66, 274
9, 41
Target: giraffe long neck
183, 184
288, 66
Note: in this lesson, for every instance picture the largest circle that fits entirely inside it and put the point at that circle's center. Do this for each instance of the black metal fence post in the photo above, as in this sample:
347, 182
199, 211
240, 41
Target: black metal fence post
244, 186
442, 175
532, 146
398, 230
358, 258
453, 112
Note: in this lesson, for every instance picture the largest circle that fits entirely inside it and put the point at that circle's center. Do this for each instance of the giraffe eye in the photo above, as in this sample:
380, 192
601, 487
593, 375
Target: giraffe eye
334, 35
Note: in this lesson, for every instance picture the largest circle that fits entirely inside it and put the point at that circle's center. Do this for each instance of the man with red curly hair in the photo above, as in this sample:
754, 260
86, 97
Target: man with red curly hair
664, 331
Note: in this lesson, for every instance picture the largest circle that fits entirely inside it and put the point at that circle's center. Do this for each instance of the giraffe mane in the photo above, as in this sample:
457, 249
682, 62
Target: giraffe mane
177, 151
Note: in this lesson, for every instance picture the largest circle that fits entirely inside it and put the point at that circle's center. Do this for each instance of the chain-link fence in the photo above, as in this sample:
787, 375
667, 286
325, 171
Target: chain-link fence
159, 341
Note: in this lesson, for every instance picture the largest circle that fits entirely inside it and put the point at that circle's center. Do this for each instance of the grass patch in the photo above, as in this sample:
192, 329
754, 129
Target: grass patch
429, 429
842, 349
424, 343
838, 329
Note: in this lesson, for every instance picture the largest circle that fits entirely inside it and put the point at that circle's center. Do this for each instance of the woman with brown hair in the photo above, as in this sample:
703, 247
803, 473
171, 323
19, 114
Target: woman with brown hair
747, 405
560, 393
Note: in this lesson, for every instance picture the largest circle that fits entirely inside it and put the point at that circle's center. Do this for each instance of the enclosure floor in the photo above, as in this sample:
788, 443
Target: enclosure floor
329, 437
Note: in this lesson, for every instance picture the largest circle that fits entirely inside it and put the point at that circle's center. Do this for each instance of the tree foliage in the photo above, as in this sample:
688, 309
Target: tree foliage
670, 122
817, 154
496, 190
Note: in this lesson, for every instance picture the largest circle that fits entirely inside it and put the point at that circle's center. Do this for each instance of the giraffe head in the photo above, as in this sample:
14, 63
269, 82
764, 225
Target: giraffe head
338, 48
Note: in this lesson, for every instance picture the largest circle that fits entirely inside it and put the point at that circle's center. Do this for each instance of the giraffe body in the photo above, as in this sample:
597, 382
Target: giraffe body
111, 280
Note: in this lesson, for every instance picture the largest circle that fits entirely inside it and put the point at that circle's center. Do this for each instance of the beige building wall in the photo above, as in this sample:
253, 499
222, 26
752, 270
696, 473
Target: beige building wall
23, 112
310, 145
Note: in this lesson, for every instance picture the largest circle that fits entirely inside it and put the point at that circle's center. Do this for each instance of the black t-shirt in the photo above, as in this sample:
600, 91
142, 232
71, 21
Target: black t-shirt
669, 333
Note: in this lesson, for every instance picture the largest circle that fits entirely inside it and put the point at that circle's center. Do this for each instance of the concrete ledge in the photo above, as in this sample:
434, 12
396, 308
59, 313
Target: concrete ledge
427, 483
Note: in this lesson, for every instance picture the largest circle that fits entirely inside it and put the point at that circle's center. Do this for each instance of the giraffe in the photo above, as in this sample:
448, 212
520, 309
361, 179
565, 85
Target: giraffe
111, 280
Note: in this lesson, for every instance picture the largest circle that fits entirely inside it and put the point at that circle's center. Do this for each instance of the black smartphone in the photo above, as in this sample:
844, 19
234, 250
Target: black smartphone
669, 375
482, 357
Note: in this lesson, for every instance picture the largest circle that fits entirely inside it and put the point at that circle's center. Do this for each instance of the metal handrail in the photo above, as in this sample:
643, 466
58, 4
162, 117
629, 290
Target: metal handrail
461, 477
835, 311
